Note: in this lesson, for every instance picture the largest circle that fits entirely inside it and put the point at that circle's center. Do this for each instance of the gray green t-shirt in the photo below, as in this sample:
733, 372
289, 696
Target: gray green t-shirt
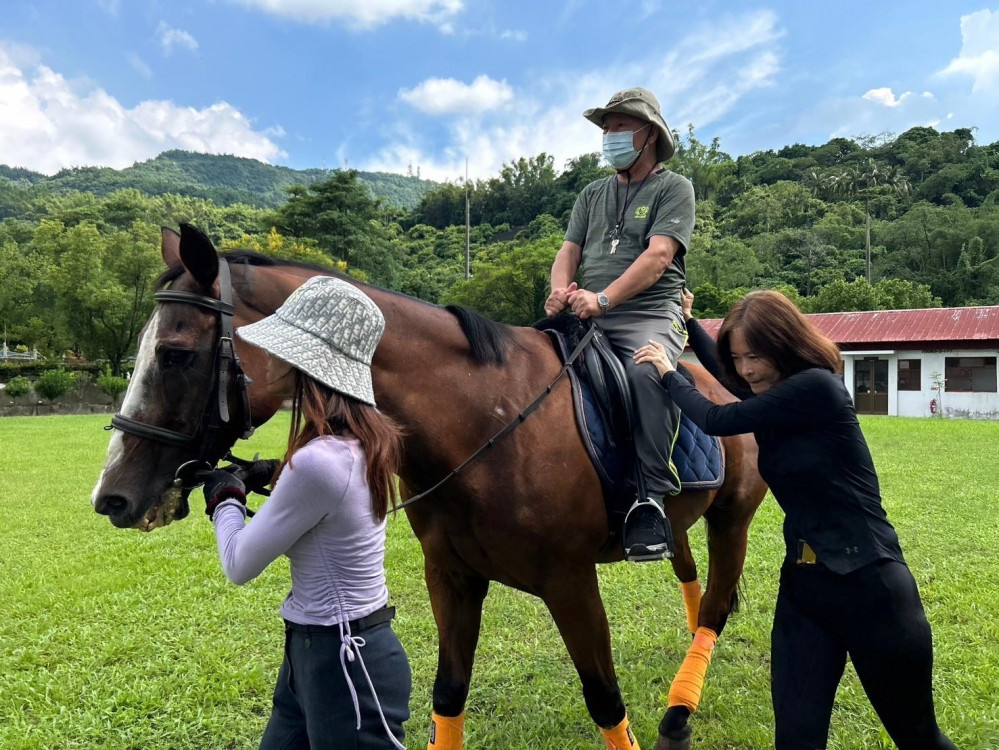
664, 204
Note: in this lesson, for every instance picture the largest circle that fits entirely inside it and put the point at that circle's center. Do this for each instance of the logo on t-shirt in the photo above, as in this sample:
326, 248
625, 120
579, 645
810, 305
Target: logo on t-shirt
641, 212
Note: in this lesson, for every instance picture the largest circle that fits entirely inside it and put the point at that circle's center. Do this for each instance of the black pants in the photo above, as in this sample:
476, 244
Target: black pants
313, 709
875, 616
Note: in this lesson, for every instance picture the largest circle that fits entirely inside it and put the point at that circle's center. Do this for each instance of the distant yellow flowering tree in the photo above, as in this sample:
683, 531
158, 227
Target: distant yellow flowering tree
275, 245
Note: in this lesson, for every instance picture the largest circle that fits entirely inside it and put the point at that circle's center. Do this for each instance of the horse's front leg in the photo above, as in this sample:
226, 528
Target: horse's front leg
573, 598
456, 598
727, 539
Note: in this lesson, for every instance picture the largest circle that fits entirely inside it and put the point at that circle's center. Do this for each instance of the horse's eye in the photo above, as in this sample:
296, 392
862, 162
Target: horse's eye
176, 358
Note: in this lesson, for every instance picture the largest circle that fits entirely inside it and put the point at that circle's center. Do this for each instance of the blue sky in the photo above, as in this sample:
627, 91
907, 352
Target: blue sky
397, 84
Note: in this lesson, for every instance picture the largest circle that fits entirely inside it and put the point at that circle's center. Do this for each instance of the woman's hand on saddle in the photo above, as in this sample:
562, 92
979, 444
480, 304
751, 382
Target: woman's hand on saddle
558, 300
655, 354
687, 302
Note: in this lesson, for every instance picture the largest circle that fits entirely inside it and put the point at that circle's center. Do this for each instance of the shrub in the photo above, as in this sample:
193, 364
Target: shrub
53, 384
81, 379
110, 384
18, 386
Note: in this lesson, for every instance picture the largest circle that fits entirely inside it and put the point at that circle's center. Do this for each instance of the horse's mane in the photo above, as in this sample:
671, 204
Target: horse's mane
489, 340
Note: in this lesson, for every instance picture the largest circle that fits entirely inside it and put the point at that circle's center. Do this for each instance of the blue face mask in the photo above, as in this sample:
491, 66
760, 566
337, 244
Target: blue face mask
619, 148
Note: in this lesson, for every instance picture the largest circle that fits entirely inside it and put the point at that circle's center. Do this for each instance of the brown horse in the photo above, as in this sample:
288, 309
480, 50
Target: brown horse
528, 513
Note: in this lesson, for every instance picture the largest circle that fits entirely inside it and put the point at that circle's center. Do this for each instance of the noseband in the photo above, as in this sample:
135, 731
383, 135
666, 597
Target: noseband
216, 413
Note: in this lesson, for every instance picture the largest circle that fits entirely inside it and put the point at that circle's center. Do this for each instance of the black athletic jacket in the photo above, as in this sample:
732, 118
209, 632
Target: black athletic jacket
812, 454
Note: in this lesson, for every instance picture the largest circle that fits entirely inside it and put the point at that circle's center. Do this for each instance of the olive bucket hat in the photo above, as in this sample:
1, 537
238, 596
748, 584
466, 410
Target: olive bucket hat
328, 329
640, 103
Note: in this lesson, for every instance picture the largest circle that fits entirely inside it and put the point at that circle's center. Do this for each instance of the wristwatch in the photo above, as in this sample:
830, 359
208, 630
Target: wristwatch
603, 302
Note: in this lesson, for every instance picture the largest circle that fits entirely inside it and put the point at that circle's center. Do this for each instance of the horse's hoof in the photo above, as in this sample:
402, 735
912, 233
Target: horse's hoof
679, 741
674, 729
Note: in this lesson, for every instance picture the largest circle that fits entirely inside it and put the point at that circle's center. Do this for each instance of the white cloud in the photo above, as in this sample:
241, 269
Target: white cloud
979, 56
886, 97
110, 7
170, 37
139, 65
442, 96
47, 123
363, 14
700, 79
951, 104
516, 35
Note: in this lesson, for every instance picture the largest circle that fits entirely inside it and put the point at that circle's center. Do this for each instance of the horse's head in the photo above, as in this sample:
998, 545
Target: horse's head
186, 403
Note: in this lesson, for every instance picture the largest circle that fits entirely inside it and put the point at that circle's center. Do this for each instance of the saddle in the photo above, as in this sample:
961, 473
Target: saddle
606, 418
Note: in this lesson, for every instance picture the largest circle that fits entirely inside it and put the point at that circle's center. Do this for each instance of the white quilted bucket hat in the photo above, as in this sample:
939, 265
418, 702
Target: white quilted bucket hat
328, 329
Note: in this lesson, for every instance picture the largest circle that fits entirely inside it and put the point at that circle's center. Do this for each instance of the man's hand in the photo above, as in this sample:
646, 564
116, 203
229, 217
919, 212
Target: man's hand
584, 304
687, 301
558, 300
654, 353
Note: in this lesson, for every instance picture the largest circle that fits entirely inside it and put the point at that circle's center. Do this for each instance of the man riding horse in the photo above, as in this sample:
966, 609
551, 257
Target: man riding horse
630, 232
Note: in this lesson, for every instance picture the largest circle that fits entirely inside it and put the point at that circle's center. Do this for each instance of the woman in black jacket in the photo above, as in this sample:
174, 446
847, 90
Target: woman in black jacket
844, 586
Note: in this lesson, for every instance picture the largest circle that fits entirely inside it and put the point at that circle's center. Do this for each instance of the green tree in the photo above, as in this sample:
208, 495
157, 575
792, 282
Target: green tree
344, 221
54, 383
102, 284
17, 386
512, 285
111, 384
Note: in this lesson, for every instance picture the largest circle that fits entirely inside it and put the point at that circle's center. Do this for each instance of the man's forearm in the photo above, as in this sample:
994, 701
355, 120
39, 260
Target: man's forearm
564, 268
647, 269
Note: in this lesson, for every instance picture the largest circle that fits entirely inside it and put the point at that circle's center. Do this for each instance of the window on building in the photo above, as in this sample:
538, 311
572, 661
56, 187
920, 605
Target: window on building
909, 372
971, 374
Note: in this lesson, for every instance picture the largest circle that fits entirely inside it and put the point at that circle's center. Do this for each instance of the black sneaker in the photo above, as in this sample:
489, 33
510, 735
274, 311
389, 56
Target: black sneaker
647, 533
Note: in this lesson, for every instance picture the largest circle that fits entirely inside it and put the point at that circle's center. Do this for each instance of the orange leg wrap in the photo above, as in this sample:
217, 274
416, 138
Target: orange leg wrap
692, 602
689, 680
446, 732
620, 737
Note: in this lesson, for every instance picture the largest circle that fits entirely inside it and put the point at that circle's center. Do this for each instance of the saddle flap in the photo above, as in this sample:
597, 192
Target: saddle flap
606, 376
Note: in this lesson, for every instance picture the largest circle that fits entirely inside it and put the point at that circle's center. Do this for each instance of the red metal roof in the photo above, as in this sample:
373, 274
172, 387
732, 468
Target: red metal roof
947, 324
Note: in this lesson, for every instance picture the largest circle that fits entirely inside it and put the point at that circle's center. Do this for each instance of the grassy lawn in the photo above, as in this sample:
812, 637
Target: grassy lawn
117, 639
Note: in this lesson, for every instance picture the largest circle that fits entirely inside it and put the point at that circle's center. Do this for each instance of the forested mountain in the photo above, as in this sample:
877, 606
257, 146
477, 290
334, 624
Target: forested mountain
219, 178
867, 224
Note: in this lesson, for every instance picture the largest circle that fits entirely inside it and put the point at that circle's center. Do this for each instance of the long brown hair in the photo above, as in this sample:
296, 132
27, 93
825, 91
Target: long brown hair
317, 410
776, 330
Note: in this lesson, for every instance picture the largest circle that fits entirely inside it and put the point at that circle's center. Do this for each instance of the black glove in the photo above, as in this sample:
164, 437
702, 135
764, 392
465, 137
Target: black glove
220, 485
255, 475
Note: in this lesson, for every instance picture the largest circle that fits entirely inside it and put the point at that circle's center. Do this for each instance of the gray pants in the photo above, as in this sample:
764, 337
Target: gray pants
658, 418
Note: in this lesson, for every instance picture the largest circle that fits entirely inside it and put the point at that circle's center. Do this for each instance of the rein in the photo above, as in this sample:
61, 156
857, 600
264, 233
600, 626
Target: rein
216, 412
510, 426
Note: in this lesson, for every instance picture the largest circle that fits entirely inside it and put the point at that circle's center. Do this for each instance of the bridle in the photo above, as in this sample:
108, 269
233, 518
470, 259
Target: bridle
216, 412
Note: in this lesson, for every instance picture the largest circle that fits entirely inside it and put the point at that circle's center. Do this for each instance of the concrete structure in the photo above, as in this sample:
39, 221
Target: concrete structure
914, 362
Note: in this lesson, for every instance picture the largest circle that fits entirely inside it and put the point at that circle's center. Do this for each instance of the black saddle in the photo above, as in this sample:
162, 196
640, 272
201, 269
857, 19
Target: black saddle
605, 415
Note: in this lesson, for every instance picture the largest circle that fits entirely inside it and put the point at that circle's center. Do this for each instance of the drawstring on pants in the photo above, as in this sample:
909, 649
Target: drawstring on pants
350, 650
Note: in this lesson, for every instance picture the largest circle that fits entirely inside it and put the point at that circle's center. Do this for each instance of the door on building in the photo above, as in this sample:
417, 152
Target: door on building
870, 385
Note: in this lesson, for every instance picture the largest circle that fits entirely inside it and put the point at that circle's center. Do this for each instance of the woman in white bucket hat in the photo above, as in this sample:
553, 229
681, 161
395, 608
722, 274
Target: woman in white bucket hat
345, 680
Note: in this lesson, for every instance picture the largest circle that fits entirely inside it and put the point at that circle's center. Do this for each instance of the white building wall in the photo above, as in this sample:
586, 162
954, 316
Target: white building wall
950, 404
917, 403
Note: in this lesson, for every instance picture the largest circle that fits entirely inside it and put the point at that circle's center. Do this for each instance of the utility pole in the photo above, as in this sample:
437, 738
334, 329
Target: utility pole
468, 229
867, 245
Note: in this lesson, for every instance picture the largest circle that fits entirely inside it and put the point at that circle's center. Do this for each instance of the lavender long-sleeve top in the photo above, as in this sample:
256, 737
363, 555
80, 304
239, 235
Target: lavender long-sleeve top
320, 516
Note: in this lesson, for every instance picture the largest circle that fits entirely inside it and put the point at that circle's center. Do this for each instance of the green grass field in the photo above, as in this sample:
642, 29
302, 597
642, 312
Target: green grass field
116, 639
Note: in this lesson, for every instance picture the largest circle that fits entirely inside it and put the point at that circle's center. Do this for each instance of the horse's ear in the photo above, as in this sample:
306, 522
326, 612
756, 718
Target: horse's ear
198, 255
170, 246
